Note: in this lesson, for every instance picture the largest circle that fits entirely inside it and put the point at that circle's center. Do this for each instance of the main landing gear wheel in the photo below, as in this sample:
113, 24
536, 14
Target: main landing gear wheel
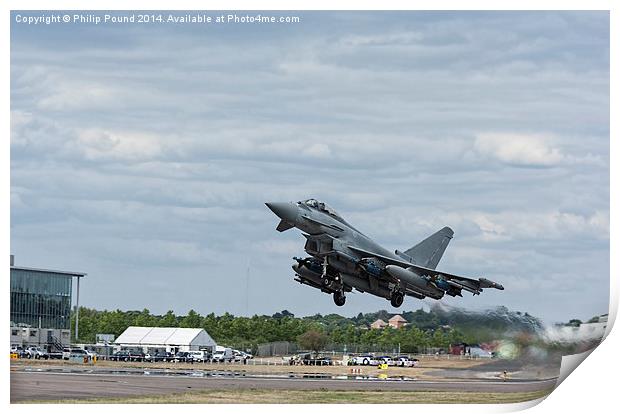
397, 299
339, 298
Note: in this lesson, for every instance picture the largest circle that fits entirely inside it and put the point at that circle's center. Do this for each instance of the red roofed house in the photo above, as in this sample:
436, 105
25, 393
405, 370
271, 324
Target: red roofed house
397, 322
378, 324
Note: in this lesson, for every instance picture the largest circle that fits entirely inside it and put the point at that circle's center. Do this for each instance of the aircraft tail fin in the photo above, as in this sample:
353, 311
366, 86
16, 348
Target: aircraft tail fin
428, 252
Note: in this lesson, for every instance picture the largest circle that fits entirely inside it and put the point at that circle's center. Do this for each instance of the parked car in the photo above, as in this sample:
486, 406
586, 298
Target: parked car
384, 359
127, 355
122, 355
366, 359
240, 355
137, 356
159, 356
199, 356
319, 361
480, 353
19, 350
404, 361
36, 353
183, 356
73, 352
78, 353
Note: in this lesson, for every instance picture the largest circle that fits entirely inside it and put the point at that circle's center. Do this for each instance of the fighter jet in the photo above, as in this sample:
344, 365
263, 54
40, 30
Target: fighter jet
342, 258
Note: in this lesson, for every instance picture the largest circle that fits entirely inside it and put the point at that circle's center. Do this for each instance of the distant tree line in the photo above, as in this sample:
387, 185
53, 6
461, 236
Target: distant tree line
435, 328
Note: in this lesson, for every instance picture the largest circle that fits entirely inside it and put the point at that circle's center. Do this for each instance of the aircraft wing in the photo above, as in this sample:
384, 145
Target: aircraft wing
463, 282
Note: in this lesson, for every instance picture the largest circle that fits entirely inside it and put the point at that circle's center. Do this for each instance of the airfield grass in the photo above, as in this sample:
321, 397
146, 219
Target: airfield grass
261, 396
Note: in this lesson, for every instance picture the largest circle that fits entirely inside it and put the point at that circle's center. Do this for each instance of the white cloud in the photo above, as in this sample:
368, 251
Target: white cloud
318, 150
402, 226
395, 38
519, 149
68, 96
533, 150
98, 144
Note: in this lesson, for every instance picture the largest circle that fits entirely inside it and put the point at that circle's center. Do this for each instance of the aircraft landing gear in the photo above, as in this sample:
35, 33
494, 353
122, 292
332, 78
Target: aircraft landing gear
397, 299
339, 298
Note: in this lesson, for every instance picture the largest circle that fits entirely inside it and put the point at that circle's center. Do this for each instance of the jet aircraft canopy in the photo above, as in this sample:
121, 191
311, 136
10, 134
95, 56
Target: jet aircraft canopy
313, 203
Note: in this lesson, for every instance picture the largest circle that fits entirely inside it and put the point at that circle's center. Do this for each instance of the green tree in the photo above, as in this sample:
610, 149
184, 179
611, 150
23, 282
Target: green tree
192, 320
145, 318
439, 339
169, 320
313, 339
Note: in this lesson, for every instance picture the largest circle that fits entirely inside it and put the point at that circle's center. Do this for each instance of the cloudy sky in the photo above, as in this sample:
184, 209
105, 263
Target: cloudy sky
143, 154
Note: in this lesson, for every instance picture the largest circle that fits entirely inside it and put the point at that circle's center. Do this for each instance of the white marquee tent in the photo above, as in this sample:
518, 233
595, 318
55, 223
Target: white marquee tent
172, 339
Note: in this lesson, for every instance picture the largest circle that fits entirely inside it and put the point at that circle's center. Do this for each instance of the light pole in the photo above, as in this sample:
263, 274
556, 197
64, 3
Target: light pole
77, 310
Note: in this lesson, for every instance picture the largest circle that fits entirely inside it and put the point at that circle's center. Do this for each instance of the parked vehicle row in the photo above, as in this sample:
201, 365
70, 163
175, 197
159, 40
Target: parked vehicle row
306, 358
35, 352
31, 352
221, 354
370, 359
127, 355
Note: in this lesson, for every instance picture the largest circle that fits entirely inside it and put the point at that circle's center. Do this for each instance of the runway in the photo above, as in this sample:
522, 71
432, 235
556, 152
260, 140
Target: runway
49, 386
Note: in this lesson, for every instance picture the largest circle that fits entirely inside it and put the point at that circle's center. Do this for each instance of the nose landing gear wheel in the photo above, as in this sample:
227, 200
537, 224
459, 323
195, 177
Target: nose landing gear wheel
397, 299
339, 298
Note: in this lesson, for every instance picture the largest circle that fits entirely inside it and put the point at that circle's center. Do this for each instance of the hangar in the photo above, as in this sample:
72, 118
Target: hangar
171, 339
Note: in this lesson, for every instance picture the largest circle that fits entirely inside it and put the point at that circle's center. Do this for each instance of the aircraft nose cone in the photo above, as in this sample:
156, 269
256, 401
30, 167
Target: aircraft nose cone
286, 211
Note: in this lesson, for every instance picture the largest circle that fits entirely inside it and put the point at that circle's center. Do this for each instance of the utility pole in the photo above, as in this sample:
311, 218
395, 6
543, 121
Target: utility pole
247, 290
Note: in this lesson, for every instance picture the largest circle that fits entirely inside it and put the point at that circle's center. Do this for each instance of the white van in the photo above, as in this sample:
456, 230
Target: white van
198, 356
222, 354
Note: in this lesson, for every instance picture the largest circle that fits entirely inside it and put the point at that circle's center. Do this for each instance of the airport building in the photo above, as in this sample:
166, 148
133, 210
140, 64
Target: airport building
148, 339
41, 301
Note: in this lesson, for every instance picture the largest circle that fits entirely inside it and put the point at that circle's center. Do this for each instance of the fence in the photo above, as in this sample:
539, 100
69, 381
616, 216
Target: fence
381, 349
288, 348
276, 349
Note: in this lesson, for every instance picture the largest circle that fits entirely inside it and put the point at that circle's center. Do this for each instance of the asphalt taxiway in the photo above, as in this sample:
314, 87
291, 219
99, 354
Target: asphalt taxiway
49, 386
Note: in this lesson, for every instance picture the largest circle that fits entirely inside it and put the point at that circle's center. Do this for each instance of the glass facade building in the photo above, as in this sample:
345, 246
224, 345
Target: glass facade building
41, 298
